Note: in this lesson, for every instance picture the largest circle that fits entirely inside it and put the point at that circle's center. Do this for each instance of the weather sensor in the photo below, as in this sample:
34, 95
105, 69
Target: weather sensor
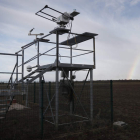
29, 68
34, 34
62, 20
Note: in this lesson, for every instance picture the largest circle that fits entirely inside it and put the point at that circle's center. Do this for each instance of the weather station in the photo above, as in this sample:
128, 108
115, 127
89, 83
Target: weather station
64, 86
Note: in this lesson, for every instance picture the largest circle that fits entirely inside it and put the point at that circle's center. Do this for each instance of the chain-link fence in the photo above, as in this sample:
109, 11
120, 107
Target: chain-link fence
127, 106
23, 118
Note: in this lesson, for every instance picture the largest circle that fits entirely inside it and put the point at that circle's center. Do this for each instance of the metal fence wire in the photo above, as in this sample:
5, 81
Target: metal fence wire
112, 101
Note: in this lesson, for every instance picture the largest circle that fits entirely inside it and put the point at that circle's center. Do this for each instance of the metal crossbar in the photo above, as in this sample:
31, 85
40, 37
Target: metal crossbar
82, 54
75, 93
48, 14
44, 17
28, 45
76, 49
10, 54
73, 122
82, 88
34, 57
50, 102
9, 73
50, 107
55, 55
12, 74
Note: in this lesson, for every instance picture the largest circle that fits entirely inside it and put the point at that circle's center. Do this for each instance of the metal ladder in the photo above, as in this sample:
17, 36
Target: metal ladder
7, 96
5, 102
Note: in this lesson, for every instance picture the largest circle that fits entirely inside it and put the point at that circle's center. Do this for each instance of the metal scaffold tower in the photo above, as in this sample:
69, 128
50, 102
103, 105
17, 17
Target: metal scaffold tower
66, 84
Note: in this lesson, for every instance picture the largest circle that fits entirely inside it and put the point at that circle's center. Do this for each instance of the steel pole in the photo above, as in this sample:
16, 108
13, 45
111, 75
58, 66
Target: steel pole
71, 55
111, 95
56, 99
17, 70
27, 95
22, 71
57, 48
38, 54
41, 107
91, 96
71, 96
40, 80
12, 81
40, 99
22, 68
94, 53
57, 79
49, 91
34, 91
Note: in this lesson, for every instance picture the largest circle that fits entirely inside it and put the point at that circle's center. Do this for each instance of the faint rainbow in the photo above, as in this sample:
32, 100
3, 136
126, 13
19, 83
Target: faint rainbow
133, 68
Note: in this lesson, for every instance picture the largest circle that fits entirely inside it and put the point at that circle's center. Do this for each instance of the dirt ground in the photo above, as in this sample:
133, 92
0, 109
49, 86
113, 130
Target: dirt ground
24, 124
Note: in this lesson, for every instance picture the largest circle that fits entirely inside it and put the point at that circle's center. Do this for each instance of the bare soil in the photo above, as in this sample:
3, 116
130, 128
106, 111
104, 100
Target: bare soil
25, 125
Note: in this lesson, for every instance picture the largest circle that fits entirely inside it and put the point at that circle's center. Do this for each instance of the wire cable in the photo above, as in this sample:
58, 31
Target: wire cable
68, 37
76, 43
69, 34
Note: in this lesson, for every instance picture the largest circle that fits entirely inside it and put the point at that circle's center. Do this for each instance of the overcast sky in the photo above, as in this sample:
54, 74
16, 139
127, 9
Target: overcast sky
116, 21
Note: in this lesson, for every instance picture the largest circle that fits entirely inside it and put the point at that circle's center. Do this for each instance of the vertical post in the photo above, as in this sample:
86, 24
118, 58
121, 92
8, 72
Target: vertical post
94, 52
91, 96
57, 48
22, 71
11, 85
38, 54
40, 84
72, 99
49, 91
17, 70
71, 55
111, 96
27, 94
71, 96
57, 79
41, 107
12, 80
40, 80
56, 99
22, 68
40, 97
34, 91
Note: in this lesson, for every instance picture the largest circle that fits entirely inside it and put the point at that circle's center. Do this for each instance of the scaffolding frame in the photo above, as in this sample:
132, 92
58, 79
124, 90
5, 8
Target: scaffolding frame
59, 67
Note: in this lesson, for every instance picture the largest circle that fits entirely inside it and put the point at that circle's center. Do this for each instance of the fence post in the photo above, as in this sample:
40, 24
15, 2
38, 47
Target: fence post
34, 90
23, 92
72, 98
23, 96
111, 96
91, 96
27, 95
49, 91
42, 82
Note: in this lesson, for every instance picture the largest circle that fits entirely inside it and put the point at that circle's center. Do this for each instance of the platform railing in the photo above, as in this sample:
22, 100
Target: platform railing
40, 54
